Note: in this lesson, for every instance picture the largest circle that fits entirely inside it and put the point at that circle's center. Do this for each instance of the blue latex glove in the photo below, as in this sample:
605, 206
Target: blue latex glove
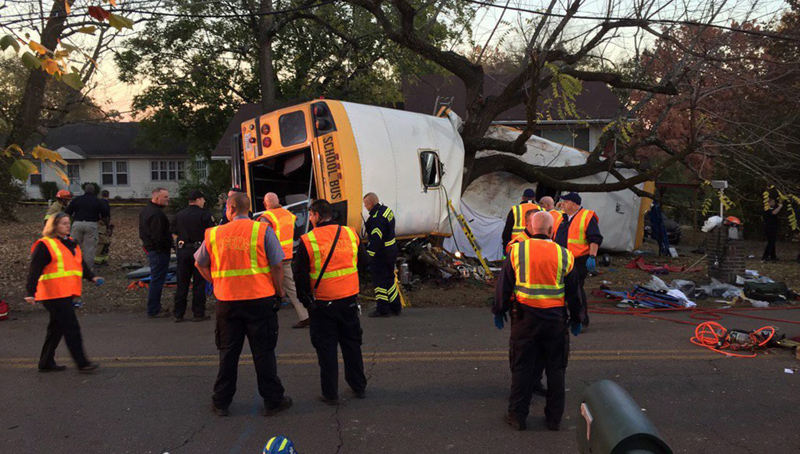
499, 320
100, 281
575, 328
591, 264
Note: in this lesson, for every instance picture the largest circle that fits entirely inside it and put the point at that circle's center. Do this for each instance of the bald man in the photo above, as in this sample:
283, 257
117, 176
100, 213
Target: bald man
548, 204
383, 251
547, 288
283, 222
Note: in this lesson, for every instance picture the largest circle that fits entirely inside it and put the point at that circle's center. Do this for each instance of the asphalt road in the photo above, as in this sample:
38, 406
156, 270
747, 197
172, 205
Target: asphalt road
438, 381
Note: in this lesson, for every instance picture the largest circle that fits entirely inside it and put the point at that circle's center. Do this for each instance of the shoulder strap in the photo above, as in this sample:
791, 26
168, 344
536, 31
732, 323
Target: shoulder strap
328, 260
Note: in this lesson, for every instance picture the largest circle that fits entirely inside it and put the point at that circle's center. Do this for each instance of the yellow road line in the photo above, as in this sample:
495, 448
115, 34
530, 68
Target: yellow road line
397, 359
409, 354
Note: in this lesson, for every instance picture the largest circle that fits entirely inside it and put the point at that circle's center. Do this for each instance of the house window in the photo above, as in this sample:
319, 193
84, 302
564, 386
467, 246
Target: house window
74, 172
431, 169
36, 178
167, 170
201, 168
114, 173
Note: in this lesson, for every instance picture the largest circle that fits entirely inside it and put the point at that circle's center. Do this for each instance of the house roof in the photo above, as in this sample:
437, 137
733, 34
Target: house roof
596, 102
93, 140
245, 112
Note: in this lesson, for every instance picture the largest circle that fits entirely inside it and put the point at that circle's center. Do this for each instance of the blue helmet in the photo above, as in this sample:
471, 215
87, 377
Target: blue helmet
279, 445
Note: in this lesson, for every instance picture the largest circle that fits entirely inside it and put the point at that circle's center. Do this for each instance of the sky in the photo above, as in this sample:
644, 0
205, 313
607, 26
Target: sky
112, 94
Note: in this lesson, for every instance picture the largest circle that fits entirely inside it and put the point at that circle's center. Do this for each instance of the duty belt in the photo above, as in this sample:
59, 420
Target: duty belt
184, 244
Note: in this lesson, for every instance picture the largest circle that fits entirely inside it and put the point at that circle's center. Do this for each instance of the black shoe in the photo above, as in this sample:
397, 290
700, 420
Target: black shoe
54, 368
553, 426
219, 411
396, 314
326, 401
161, 314
360, 394
514, 422
89, 369
539, 390
270, 411
178, 319
376, 314
201, 318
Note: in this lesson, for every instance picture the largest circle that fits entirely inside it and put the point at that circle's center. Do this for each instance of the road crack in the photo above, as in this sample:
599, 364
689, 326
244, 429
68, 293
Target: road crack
186, 441
335, 417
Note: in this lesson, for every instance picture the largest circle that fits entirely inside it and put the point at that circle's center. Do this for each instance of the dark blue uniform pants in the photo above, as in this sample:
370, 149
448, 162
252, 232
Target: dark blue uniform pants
387, 295
256, 320
336, 324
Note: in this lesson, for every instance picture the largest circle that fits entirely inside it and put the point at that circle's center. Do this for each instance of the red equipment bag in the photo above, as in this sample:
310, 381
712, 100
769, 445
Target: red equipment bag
3, 310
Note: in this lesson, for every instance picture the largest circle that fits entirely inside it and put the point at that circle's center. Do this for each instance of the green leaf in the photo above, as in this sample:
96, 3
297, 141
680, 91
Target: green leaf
21, 168
88, 30
72, 79
70, 48
119, 22
9, 41
30, 61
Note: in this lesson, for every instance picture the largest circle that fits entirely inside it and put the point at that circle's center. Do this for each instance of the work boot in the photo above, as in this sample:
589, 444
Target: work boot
326, 401
555, 427
178, 319
219, 411
514, 422
89, 368
201, 318
360, 394
53, 368
273, 410
376, 314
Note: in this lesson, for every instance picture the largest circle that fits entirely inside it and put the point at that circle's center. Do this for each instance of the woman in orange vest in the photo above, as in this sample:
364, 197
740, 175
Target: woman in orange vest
54, 279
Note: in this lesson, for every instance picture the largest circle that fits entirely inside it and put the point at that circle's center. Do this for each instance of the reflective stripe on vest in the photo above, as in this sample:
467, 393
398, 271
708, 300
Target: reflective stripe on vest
540, 267
240, 268
282, 221
577, 242
520, 211
340, 279
61, 278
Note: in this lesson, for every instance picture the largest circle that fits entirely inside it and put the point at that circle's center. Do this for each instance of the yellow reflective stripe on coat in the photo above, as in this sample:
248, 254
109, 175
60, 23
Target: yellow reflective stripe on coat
59, 263
581, 230
254, 268
312, 239
390, 242
376, 231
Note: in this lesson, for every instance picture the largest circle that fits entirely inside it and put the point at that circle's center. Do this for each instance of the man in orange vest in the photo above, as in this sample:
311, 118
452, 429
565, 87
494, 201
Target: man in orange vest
539, 275
515, 221
548, 204
580, 233
327, 283
282, 221
243, 260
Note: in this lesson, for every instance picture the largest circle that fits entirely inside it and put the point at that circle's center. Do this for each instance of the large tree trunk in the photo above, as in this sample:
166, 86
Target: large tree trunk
266, 70
26, 121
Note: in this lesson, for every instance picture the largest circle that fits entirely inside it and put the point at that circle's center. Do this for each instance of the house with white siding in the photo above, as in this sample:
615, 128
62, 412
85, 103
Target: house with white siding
115, 156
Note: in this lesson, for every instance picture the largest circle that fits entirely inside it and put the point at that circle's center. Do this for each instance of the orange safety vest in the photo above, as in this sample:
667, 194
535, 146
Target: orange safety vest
61, 278
540, 267
282, 221
340, 279
520, 211
517, 239
557, 217
578, 244
239, 266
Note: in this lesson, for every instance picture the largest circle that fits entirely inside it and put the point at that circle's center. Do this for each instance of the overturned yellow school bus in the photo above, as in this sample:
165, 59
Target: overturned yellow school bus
340, 151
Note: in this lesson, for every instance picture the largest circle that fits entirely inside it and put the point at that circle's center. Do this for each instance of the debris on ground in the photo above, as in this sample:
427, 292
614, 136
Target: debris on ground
640, 263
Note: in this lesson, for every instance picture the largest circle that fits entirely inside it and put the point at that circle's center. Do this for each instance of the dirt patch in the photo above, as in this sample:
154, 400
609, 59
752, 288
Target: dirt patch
16, 239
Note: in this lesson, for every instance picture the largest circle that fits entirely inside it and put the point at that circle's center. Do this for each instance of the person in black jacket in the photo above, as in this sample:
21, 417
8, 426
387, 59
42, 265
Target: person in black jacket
189, 226
157, 242
54, 279
86, 211
383, 252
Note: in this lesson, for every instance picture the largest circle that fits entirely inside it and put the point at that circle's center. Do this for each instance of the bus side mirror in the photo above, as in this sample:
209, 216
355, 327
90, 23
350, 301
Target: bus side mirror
611, 422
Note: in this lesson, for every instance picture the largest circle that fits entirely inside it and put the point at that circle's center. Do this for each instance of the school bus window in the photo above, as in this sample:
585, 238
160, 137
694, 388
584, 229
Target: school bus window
431, 169
293, 128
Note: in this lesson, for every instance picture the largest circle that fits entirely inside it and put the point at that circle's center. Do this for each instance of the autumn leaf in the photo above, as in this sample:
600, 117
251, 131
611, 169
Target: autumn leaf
50, 66
45, 154
16, 149
88, 30
9, 41
113, 2
61, 173
98, 13
22, 168
119, 22
36, 47
72, 79
66, 6
61, 54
